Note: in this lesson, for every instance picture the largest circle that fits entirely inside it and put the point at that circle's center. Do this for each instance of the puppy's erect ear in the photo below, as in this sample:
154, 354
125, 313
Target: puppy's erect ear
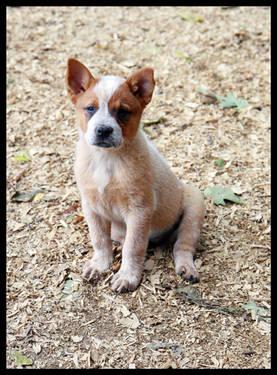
78, 78
141, 84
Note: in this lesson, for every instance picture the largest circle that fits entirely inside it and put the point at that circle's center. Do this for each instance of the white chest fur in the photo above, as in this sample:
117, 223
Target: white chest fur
103, 167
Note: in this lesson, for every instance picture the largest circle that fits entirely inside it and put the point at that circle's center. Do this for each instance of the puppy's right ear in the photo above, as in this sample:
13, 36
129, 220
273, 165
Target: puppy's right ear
78, 78
141, 84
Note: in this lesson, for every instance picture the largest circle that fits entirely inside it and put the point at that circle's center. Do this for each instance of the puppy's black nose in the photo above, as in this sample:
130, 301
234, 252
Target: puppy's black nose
104, 131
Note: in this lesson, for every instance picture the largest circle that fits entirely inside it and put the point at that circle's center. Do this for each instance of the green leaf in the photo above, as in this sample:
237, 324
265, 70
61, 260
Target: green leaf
230, 101
220, 193
255, 310
22, 157
25, 196
182, 55
196, 18
22, 360
68, 285
219, 163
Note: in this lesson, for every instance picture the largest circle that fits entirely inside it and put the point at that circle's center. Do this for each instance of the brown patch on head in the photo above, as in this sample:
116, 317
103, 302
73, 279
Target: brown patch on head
87, 99
130, 99
126, 109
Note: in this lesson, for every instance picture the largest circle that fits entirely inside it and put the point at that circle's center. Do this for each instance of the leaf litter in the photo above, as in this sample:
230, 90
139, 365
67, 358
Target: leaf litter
192, 294
47, 301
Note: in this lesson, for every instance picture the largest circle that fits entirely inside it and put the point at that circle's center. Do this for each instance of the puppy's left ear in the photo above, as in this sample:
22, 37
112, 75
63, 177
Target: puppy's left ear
141, 84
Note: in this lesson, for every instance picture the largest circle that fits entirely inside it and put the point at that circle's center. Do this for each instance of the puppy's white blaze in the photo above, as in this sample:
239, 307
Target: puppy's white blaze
104, 90
106, 87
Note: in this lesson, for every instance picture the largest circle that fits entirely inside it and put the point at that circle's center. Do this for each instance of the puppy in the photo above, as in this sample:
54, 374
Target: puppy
129, 194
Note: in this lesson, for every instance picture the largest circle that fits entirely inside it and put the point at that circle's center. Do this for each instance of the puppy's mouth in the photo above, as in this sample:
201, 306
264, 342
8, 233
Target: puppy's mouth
107, 142
104, 144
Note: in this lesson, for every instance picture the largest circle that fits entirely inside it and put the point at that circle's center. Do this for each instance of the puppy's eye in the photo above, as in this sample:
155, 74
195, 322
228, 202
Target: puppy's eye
90, 110
123, 114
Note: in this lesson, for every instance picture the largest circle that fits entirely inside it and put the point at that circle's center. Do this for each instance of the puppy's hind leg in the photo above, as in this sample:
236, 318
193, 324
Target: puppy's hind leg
189, 233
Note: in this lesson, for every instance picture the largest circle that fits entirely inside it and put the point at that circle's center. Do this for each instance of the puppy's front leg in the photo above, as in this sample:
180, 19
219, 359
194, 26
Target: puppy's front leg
133, 252
99, 229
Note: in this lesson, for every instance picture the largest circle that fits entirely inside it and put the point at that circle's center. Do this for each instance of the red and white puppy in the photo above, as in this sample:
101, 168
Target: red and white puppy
129, 194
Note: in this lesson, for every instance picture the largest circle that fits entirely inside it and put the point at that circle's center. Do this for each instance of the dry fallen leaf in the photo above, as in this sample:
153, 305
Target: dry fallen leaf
123, 309
130, 322
77, 338
36, 348
94, 355
155, 278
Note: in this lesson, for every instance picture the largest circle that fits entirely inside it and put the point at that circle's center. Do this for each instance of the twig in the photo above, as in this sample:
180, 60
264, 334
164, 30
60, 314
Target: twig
87, 323
260, 246
20, 174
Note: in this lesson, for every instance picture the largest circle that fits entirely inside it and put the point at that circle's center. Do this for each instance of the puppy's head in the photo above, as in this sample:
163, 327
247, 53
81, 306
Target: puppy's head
109, 108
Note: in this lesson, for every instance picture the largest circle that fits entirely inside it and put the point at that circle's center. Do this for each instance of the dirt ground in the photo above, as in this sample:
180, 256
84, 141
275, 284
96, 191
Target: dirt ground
54, 318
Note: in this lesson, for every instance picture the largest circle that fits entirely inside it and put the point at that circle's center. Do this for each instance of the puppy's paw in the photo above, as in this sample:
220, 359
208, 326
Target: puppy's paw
95, 266
188, 272
126, 280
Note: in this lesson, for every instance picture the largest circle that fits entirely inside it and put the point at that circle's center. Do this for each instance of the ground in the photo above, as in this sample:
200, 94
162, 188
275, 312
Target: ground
56, 319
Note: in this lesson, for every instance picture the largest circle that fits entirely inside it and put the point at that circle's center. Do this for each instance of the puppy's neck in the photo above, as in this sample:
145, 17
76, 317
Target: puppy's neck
105, 165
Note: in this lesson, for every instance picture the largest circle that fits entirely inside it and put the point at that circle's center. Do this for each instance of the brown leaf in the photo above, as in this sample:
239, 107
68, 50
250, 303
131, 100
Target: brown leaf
77, 219
71, 208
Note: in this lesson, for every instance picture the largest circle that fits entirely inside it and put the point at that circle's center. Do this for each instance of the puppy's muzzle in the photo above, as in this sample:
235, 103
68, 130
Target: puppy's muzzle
104, 136
103, 131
